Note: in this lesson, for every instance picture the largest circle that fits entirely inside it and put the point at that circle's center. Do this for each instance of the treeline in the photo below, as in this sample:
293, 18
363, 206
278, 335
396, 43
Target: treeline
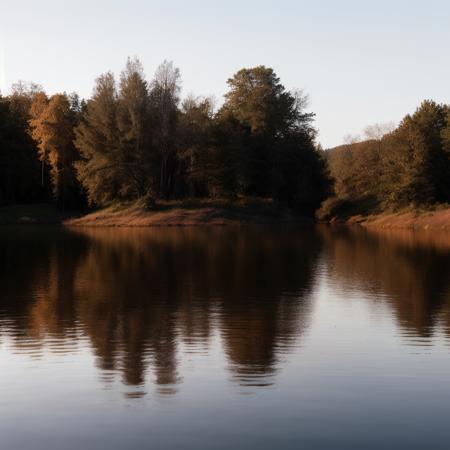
136, 139
393, 168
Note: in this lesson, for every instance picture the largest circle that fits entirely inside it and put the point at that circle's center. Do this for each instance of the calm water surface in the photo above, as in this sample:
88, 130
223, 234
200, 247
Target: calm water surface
224, 339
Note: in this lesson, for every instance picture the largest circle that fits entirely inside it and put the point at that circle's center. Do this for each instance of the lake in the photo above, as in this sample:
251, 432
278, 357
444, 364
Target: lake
224, 338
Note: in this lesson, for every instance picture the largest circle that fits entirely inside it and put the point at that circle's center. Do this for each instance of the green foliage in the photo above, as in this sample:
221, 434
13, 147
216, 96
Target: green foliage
422, 174
271, 139
406, 167
137, 141
133, 140
197, 152
19, 164
97, 140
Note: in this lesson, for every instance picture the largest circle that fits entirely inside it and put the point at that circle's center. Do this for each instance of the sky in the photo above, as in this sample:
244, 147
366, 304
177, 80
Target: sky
361, 62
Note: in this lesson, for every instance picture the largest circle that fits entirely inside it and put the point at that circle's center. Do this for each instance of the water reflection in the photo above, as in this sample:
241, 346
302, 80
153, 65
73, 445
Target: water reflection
141, 300
336, 333
408, 269
137, 297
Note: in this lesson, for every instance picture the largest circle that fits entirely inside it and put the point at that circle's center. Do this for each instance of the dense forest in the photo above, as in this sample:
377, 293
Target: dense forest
137, 139
393, 168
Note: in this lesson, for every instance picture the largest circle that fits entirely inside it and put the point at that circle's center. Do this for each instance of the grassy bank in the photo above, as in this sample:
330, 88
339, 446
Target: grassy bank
190, 213
437, 219
213, 213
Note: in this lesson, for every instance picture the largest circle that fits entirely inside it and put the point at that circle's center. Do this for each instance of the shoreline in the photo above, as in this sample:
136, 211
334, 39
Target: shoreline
210, 213
167, 214
412, 220
197, 213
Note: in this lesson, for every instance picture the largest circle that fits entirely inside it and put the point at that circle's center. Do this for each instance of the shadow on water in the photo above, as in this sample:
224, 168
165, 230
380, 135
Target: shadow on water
139, 296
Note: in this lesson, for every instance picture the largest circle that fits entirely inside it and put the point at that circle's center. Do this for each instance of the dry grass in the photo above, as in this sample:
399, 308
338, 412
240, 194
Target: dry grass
213, 212
189, 213
438, 219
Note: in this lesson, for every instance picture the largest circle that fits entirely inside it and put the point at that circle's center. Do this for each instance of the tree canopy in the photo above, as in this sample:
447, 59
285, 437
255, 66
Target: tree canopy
407, 166
137, 138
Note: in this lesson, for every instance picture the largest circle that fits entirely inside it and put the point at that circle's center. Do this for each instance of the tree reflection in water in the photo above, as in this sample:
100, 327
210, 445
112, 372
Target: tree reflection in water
137, 294
140, 299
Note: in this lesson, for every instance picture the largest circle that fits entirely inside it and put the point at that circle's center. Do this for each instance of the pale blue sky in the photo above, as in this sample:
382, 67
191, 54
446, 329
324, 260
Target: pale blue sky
361, 62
